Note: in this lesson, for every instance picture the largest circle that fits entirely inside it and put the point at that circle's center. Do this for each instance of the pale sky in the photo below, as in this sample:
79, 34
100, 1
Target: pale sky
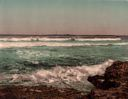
64, 16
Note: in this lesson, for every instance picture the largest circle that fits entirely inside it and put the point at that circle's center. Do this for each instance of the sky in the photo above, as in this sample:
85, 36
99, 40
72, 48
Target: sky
88, 17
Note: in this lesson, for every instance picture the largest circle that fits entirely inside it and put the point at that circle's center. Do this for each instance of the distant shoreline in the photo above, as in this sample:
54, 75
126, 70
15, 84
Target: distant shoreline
64, 36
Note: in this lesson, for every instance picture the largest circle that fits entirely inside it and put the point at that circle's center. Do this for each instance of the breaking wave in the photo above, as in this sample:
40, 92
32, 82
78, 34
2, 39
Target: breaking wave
65, 44
58, 76
57, 39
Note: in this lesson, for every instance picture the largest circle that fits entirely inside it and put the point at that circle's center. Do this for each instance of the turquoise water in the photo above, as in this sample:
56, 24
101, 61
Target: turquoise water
59, 66
22, 60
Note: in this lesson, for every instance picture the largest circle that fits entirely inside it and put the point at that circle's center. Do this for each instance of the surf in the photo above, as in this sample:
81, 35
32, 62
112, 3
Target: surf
59, 76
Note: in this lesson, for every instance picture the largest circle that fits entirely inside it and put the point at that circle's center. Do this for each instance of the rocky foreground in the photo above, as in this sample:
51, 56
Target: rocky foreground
39, 92
112, 85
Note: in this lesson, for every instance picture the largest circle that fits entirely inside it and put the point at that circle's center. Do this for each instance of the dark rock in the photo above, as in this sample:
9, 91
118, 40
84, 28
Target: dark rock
96, 80
118, 71
113, 84
39, 92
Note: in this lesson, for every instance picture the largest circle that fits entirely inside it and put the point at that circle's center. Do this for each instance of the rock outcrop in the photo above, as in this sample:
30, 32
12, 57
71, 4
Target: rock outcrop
113, 84
39, 92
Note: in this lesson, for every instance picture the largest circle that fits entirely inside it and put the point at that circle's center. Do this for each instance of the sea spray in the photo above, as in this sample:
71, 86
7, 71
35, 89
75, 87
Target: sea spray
62, 76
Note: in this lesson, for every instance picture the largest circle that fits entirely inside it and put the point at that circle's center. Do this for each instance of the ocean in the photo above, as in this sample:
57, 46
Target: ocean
56, 63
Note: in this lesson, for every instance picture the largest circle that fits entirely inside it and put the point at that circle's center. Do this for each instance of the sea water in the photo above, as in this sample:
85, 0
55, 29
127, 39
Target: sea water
59, 64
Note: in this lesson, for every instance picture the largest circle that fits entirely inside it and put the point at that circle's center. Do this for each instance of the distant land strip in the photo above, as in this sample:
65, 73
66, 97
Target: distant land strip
63, 36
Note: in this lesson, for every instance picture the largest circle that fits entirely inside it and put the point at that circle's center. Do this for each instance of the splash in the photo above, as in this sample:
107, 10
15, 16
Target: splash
63, 76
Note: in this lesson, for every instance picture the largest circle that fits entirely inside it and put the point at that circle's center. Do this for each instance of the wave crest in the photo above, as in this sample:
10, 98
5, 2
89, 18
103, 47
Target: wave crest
63, 76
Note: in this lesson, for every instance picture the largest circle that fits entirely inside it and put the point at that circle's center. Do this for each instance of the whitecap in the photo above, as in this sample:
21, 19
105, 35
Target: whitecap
63, 75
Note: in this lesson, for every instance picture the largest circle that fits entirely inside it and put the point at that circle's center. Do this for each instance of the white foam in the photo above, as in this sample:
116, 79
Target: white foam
68, 44
57, 39
67, 75
99, 39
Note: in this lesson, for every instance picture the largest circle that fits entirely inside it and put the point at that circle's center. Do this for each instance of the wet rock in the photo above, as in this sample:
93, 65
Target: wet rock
118, 72
113, 84
39, 92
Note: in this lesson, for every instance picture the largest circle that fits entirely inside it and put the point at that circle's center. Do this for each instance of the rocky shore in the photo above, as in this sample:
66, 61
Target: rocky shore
39, 92
112, 85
